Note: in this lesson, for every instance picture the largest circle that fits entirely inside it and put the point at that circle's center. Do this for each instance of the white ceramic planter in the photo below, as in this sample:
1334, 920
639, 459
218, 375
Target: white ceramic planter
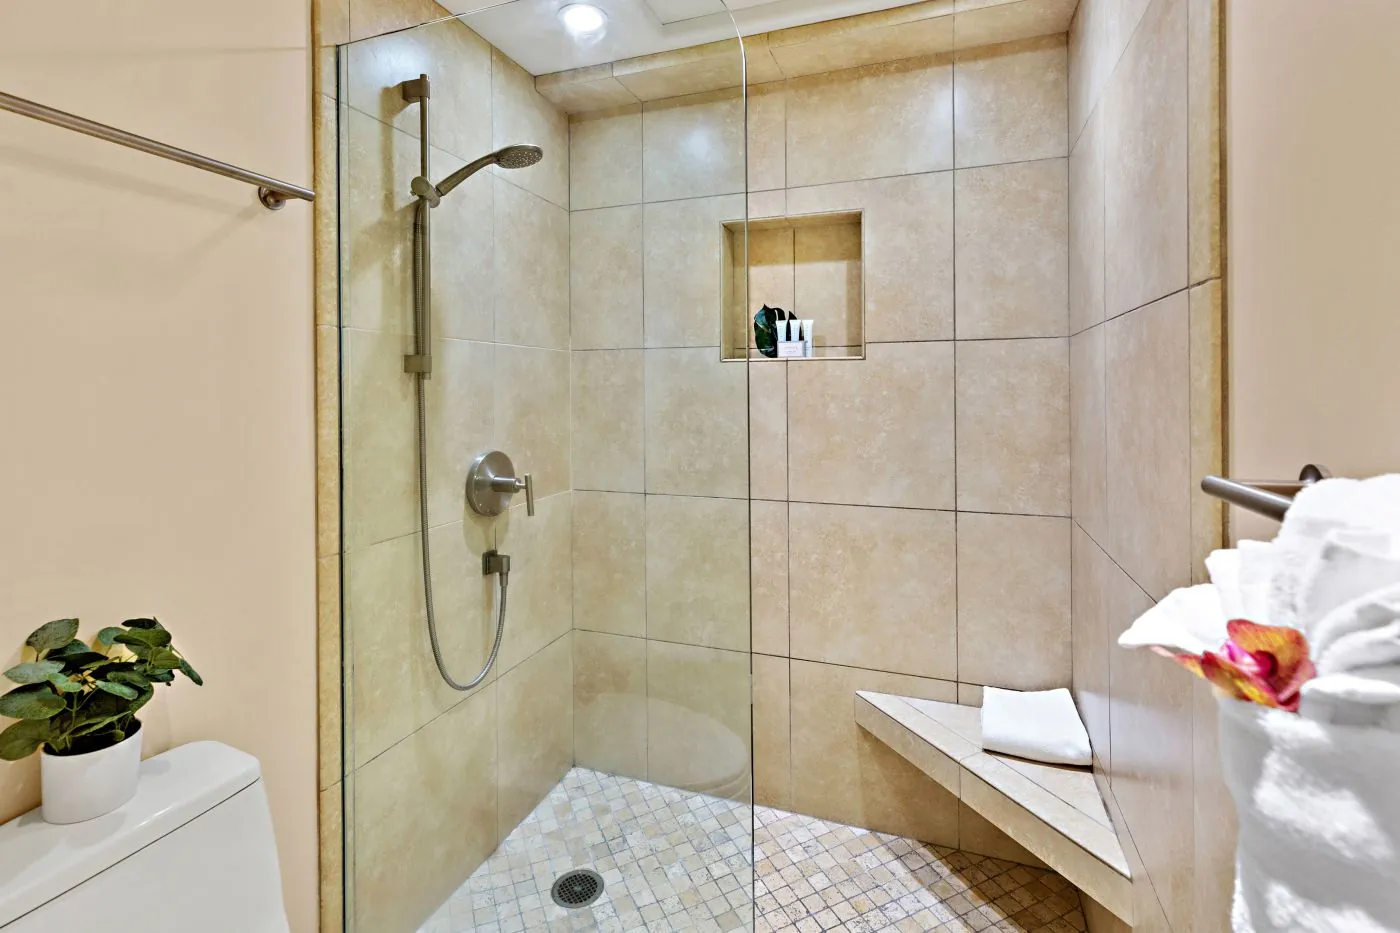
84, 787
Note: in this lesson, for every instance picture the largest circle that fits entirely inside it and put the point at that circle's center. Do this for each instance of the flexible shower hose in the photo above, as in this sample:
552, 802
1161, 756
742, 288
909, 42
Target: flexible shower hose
420, 301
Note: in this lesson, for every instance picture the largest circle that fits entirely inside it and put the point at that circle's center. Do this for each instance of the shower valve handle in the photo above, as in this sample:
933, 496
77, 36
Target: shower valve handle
491, 482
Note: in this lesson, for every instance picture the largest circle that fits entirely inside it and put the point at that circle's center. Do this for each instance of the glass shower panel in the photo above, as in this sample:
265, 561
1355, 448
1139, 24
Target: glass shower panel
543, 222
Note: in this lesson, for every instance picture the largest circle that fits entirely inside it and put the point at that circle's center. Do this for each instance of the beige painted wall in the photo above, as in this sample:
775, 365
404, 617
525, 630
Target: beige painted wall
156, 367
1146, 269
1314, 236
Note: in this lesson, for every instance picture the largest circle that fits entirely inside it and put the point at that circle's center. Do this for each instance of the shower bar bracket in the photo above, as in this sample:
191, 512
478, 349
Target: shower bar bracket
1270, 498
272, 193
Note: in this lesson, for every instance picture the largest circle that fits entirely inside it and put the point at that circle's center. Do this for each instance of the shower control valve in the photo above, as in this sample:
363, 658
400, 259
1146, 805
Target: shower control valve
491, 482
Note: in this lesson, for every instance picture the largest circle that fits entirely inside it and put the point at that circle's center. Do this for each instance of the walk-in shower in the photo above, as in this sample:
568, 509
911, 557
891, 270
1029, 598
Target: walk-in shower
600, 734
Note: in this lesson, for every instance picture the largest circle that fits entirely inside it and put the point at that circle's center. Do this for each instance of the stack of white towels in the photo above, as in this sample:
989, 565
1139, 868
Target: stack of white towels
1317, 791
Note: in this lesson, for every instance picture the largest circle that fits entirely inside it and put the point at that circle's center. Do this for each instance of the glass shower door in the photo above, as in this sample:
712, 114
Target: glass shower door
578, 313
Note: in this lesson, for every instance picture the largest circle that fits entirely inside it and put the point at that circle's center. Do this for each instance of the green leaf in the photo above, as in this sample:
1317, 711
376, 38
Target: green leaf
73, 647
130, 678
53, 635
165, 659
143, 624
63, 684
149, 638
33, 701
23, 739
120, 690
142, 700
35, 672
161, 677
108, 636
190, 672
85, 659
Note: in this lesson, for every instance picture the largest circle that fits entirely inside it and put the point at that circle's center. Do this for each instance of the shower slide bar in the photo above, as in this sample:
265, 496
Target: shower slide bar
1270, 498
271, 192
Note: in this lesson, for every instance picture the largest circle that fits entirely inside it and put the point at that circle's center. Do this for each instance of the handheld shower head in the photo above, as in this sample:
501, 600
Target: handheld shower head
510, 157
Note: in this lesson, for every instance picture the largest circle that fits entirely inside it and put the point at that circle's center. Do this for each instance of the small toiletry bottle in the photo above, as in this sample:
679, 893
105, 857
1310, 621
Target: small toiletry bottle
807, 347
789, 339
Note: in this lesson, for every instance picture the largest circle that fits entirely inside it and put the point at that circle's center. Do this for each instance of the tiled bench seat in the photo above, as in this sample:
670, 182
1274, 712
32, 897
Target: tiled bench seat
1055, 812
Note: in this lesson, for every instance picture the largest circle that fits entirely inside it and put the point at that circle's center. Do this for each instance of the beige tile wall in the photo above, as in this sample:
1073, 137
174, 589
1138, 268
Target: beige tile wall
435, 778
1145, 413
906, 525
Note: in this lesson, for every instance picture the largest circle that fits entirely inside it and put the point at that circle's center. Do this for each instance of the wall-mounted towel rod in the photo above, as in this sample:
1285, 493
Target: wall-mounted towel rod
1270, 498
271, 192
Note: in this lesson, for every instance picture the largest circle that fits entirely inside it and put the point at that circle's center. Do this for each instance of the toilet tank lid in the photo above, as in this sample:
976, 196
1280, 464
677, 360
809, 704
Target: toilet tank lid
39, 861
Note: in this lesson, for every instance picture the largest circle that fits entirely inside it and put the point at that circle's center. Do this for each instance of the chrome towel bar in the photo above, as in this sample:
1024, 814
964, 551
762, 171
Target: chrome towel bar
271, 192
1270, 498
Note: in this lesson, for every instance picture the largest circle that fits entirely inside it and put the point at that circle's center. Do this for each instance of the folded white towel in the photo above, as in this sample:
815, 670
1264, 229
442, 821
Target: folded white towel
1042, 725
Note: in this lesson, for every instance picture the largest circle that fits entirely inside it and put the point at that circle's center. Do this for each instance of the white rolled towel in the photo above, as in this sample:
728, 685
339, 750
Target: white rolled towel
1319, 823
1041, 725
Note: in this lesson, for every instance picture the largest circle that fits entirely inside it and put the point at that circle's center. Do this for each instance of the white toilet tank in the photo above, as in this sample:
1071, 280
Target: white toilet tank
193, 850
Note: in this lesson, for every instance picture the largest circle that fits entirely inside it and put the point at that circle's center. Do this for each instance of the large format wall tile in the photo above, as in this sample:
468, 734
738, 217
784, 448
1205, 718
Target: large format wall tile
772, 733
1207, 336
1013, 426
535, 705
1010, 102
605, 278
520, 116
908, 269
610, 703
458, 62
1147, 365
699, 719
1091, 60
827, 282
1206, 214
1153, 756
460, 410
532, 414
608, 413
541, 589
1014, 601
696, 435
1091, 574
605, 158
377, 226
915, 30
841, 772
768, 576
767, 136
1088, 438
609, 573
609, 549
874, 588
1145, 187
870, 122
878, 432
1086, 220
693, 146
682, 270
1012, 250
532, 262
381, 476
464, 261
768, 430
697, 571
425, 817
395, 684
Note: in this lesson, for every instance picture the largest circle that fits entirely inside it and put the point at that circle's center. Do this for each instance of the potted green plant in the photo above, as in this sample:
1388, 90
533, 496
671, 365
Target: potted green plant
77, 704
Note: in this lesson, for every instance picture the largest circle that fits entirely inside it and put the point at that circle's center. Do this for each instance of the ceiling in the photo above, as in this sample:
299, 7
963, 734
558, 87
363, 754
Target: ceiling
529, 31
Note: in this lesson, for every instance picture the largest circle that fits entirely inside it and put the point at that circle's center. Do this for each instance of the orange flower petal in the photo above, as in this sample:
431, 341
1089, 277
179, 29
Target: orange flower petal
1288, 645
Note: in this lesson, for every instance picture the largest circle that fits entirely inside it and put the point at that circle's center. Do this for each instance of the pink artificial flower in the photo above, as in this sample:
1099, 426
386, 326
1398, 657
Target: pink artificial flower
1264, 664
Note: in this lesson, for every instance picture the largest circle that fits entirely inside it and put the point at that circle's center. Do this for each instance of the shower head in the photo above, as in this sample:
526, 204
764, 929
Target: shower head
510, 157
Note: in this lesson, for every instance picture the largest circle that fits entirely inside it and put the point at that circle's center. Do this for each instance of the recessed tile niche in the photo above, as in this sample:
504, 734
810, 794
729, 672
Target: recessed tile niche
811, 266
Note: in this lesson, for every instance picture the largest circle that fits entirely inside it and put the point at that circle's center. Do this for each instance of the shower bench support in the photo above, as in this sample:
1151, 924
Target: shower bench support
1056, 813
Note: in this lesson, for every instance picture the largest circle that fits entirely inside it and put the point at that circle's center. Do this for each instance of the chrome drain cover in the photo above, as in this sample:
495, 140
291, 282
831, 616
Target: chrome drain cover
577, 888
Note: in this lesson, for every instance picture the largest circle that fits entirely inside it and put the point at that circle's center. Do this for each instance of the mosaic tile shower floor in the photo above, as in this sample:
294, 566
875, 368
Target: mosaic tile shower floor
672, 860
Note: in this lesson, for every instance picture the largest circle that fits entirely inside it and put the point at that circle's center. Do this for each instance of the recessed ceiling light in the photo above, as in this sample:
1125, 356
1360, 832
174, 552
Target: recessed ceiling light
583, 19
